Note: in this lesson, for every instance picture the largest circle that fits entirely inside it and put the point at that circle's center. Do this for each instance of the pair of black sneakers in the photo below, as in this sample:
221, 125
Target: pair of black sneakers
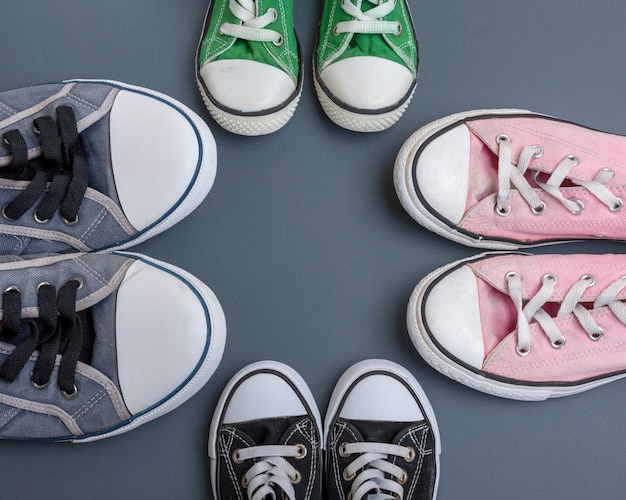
379, 441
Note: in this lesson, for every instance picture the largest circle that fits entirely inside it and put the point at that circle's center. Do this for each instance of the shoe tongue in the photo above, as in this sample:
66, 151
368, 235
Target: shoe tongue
269, 431
376, 431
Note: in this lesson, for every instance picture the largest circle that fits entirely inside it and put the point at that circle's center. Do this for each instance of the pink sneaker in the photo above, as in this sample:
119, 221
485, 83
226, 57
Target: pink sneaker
506, 179
524, 326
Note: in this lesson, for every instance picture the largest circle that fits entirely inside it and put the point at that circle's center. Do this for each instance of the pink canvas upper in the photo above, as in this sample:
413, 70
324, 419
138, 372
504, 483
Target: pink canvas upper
580, 358
595, 150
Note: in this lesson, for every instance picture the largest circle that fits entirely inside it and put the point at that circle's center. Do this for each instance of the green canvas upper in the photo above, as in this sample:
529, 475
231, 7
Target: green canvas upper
333, 47
216, 46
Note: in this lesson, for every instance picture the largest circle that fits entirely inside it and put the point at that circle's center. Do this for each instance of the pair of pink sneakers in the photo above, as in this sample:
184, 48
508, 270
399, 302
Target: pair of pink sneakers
511, 324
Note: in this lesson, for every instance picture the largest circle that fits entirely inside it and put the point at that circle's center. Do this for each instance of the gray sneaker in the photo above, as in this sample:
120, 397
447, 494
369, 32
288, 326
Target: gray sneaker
94, 345
93, 165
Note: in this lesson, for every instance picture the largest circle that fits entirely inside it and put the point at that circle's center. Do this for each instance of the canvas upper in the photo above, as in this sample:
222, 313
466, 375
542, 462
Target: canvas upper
382, 439
92, 165
248, 64
524, 326
93, 345
366, 62
507, 179
265, 438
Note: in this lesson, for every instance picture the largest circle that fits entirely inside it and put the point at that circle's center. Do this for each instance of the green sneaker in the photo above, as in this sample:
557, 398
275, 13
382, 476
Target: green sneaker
365, 66
248, 65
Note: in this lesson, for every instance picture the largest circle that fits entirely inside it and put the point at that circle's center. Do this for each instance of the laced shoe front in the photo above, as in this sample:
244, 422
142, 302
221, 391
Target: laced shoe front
382, 440
93, 165
265, 437
248, 65
94, 345
366, 62
524, 326
505, 179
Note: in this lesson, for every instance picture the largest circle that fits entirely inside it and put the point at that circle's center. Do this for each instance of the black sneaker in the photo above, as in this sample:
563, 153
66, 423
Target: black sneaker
265, 437
381, 436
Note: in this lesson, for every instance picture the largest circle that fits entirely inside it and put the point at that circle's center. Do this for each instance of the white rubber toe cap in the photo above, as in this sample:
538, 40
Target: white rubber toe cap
367, 82
263, 395
155, 155
247, 86
442, 173
161, 335
380, 397
452, 316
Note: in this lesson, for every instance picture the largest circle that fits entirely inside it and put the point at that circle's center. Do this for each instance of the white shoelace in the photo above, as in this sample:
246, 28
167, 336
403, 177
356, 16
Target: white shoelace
253, 26
374, 460
510, 174
369, 21
571, 304
271, 470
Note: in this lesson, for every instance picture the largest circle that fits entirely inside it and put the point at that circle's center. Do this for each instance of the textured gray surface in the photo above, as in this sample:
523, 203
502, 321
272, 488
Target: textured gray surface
309, 251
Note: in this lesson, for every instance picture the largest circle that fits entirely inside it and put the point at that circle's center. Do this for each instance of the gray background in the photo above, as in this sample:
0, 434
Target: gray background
309, 251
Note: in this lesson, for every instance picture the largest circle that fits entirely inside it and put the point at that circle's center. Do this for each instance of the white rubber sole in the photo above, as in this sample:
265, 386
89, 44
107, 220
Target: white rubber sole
448, 367
205, 368
405, 189
289, 373
358, 122
358, 370
200, 185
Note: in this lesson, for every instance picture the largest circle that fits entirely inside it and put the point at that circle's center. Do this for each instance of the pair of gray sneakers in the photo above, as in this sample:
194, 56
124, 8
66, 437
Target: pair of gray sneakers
95, 341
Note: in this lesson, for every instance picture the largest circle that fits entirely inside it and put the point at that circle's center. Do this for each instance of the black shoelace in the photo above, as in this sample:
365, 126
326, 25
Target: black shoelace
58, 330
62, 164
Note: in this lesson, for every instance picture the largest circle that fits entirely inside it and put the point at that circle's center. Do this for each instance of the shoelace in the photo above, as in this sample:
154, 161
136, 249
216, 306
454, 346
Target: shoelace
373, 462
570, 305
369, 21
253, 27
59, 331
62, 164
271, 470
510, 174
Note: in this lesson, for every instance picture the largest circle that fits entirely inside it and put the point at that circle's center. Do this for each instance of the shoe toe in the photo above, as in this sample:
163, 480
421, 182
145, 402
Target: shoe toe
162, 335
162, 157
247, 86
442, 173
451, 315
368, 83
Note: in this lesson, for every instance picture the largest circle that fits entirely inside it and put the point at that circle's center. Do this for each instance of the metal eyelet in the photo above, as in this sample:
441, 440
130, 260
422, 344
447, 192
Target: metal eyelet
335, 31
410, 456
348, 477
581, 207
36, 385
511, 274
522, 351
573, 158
6, 141
296, 479
244, 482
79, 280
12, 288
70, 395
279, 42
540, 210
40, 285
399, 29
589, 277
275, 12
235, 457
4, 214
502, 138
502, 213
403, 477
37, 219
342, 450
558, 344
301, 451
538, 151
548, 277
36, 129
596, 335
608, 170
69, 222
617, 206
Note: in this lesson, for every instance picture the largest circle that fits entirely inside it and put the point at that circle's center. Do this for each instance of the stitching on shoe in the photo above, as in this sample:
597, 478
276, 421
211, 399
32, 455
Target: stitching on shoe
89, 404
8, 416
224, 451
5, 108
80, 100
91, 271
421, 446
92, 227
303, 427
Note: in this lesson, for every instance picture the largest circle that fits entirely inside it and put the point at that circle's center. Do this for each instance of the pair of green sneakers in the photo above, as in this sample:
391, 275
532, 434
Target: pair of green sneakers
250, 72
